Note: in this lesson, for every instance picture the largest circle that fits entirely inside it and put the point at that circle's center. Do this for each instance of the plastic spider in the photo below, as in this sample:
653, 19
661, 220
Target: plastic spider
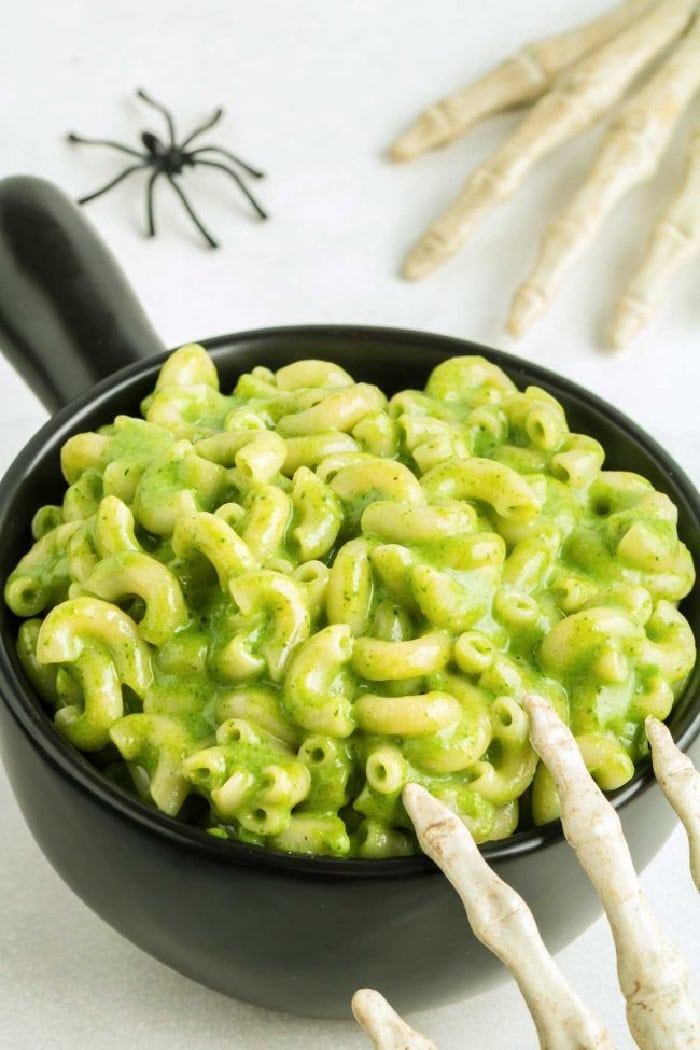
170, 160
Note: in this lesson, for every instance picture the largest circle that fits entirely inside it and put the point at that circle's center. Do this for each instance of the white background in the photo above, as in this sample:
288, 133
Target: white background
314, 92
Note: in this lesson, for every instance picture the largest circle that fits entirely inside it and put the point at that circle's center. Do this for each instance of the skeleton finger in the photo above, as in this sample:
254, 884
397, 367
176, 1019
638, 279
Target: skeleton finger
675, 240
651, 972
503, 922
630, 153
521, 78
680, 783
585, 91
383, 1025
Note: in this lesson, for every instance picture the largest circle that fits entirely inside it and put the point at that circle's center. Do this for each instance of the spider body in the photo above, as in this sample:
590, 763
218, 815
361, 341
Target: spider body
170, 159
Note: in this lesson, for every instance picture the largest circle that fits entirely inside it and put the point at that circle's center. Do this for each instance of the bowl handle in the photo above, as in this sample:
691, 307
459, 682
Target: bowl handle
68, 317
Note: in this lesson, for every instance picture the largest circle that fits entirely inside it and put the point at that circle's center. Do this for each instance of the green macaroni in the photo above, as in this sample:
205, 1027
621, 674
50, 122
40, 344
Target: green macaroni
267, 611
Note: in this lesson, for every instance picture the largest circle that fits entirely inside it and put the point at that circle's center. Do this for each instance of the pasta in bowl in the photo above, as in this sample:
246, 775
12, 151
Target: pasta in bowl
288, 930
266, 611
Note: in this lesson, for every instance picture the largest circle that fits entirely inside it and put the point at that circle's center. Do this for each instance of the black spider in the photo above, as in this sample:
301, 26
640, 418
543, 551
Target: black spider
170, 160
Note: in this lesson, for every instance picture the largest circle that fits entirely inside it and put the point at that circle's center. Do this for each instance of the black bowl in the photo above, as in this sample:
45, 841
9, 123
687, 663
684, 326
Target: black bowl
286, 932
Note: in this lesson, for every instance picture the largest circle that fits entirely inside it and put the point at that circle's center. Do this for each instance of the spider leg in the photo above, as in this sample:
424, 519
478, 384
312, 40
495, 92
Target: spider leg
239, 182
72, 137
150, 216
113, 182
190, 211
161, 109
214, 119
255, 172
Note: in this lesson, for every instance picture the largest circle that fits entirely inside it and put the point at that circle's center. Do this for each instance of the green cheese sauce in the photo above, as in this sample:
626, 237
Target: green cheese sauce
215, 671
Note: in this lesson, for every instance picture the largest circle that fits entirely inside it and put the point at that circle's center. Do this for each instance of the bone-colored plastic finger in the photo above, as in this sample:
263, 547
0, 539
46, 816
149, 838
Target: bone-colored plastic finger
520, 79
629, 154
504, 923
383, 1025
651, 972
674, 242
680, 782
583, 92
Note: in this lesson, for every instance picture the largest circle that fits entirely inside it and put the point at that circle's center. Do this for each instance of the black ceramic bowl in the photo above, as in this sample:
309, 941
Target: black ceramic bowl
291, 933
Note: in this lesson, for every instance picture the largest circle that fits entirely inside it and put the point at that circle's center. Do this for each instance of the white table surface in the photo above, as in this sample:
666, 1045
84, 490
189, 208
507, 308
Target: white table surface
314, 92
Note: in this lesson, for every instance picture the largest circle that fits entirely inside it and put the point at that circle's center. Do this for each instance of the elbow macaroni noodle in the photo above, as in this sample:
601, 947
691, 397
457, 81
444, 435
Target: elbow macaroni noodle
265, 612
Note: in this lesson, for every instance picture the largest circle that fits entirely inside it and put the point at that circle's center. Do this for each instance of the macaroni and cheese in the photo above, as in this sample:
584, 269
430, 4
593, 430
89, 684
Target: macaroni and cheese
266, 611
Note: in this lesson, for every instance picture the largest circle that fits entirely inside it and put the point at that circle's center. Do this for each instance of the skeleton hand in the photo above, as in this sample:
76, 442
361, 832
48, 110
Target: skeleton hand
573, 79
651, 973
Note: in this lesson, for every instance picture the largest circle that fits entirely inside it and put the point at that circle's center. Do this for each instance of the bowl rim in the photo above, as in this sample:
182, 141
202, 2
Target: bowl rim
21, 702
